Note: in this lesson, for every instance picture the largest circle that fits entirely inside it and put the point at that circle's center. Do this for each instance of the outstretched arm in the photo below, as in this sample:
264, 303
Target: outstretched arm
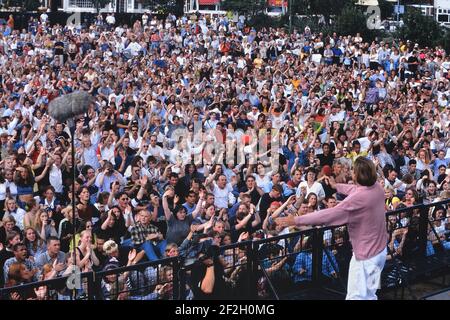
336, 216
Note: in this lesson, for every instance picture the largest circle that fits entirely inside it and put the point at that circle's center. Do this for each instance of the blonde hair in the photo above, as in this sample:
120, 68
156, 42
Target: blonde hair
110, 246
66, 210
8, 218
82, 233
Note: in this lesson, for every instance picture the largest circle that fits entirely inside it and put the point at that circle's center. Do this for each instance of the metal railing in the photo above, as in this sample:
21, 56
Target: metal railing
275, 267
81, 288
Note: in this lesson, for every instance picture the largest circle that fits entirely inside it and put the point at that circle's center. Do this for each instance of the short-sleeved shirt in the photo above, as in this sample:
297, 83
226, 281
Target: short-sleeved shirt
221, 195
178, 229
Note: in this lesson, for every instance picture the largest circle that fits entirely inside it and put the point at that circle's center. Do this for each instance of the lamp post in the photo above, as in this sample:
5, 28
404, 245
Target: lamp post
290, 17
398, 12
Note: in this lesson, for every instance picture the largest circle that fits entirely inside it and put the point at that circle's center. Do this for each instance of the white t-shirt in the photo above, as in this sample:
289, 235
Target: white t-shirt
55, 178
315, 188
19, 216
221, 195
365, 143
110, 20
156, 151
135, 143
108, 154
262, 182
44, 17
3, 191
338, 116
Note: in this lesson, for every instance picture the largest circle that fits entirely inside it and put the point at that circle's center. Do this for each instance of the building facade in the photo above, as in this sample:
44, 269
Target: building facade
128, 6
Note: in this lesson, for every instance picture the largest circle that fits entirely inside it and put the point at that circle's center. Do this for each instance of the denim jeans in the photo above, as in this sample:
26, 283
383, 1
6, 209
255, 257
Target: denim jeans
127, 243
149, 249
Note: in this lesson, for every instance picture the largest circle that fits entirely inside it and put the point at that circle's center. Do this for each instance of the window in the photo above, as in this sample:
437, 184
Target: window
81, 3
442, 18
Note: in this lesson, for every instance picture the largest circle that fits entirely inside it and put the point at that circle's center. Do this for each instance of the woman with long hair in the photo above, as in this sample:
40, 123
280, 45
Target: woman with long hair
35, 244
313, 204
24, 180
363, 210
423, 160
86, 210
30, 217
45, 226
84, 226
85, 254
6, 251
11, 209
9, 226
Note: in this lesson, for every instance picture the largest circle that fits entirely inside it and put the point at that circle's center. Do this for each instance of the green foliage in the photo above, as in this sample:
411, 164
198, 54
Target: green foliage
420, 29
445, 43
351, 21
249, 8
327, 8
28, 5
164, 7
386, 8
261, 20
31, 5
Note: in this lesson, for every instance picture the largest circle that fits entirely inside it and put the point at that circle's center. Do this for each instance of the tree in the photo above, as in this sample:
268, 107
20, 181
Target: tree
352, 20
328, 8
386, 8
248, 8
164, 7
420, 29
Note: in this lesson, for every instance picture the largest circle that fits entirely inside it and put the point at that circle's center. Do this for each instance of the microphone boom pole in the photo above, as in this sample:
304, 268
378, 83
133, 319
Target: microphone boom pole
62, 109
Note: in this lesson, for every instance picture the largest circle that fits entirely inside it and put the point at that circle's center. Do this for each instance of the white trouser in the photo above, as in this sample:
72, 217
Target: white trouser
364, 277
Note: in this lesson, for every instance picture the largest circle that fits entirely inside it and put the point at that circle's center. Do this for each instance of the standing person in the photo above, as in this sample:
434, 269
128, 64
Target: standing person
111, 21
364, 213
10, 22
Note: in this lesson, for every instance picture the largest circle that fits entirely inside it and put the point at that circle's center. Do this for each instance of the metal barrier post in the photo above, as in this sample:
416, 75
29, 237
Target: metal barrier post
97, 287
176, 285
317, 256
181, 283
423, 230
252, 266
93, 286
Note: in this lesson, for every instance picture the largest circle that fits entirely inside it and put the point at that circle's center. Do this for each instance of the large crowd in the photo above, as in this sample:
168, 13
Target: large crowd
203, 127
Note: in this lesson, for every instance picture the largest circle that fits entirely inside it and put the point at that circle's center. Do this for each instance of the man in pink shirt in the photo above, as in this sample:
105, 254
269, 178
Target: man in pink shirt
364, 213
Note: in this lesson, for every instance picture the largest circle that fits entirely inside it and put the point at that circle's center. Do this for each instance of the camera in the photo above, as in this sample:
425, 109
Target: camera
207, 251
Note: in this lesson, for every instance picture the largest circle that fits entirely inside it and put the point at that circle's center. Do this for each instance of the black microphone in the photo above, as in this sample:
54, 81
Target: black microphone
69, 106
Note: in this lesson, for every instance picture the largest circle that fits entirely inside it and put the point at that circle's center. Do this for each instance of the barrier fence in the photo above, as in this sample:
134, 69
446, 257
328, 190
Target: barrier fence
301, 264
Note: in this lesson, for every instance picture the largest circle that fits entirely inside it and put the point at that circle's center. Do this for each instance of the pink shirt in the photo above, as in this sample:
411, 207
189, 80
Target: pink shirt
364, 213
